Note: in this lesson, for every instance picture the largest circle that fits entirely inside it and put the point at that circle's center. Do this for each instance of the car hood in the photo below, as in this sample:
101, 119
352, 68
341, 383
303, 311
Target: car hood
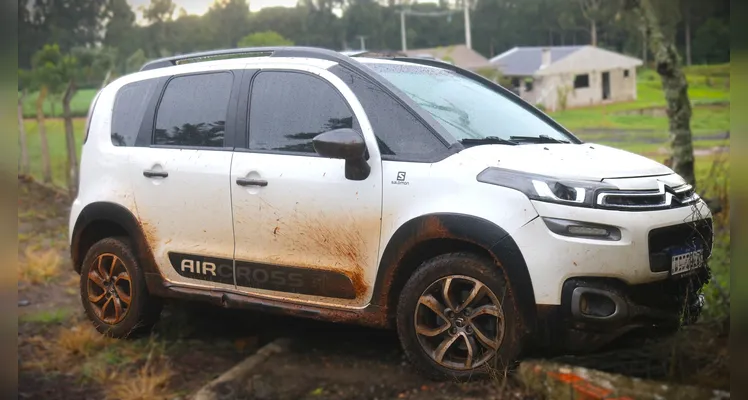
587, 161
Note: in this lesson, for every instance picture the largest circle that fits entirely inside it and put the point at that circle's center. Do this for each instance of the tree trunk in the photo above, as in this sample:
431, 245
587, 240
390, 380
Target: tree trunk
644, 47
593, 32
23, 169
675, 86
46, 169
687, 31
106, 78
72, 164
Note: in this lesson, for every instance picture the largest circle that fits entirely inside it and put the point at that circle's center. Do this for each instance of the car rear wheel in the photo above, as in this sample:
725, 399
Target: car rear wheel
113, 290
456, 318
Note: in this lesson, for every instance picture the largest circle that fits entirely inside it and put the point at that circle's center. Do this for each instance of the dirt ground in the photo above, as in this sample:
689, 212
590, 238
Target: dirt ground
329, 361
61, 357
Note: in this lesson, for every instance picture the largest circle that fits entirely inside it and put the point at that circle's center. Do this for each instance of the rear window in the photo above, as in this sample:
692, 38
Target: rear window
129, 107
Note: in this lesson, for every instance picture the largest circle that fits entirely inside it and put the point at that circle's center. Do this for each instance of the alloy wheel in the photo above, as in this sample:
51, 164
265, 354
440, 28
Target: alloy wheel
459, 322
109, 288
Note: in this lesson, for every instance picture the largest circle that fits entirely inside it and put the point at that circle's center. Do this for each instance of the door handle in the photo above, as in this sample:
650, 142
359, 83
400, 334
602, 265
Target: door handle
251, 182
149, 173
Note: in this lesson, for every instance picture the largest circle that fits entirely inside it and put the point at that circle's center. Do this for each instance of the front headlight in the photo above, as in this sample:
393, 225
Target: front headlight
545, 188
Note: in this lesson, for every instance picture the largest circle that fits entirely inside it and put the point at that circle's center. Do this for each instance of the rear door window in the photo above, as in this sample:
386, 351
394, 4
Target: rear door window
193, 110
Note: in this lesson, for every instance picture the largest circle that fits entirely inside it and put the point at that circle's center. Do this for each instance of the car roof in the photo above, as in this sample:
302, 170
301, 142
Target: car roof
260, 61
369, 60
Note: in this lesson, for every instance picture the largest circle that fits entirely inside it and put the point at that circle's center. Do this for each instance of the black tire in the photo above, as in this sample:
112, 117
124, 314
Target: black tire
435, 270
143, 310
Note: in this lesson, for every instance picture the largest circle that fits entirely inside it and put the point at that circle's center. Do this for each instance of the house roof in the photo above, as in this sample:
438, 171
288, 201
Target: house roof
459, 55
526, 61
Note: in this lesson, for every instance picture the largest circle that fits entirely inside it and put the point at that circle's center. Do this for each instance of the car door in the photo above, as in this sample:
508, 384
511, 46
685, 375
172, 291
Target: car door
180, 180
303, 231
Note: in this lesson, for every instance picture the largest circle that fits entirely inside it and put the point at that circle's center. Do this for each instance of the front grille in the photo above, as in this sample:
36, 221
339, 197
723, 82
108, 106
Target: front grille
642, 200
663, 241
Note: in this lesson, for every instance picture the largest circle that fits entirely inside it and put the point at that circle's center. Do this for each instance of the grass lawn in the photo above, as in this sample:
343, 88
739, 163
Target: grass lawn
79, 104
57, 151
707, 119
708, 91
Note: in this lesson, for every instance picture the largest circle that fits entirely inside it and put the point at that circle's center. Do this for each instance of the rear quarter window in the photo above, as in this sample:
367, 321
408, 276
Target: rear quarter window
90, 114
130, 105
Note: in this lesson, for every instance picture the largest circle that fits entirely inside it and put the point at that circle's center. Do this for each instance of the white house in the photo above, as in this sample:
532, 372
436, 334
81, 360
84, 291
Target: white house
569, 76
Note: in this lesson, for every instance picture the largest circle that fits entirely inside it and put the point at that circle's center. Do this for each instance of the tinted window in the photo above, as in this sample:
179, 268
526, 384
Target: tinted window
288, 109
129, 107
398, 132
192, 112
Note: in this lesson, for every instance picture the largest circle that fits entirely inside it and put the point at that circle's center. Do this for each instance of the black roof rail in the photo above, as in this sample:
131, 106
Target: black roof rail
284, 51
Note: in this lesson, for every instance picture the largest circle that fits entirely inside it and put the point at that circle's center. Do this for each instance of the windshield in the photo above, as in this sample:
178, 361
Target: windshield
466, 108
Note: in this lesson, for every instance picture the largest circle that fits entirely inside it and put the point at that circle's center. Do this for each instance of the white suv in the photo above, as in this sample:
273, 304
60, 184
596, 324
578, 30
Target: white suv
381, 191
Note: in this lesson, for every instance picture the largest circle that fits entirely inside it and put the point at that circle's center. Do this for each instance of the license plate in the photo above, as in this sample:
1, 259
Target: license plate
686, 262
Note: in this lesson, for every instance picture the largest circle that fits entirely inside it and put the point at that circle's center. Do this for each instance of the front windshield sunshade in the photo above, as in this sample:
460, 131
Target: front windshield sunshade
468, 109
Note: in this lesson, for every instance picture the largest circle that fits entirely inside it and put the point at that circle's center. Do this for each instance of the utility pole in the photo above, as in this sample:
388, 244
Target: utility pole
362, 40
403, 43
448, 12
468, 41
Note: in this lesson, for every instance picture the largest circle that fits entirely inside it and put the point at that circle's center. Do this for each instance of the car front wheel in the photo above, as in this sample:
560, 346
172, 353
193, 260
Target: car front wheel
456, 318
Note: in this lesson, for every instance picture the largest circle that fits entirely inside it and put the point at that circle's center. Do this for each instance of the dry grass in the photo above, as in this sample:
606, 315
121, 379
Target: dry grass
39, 266
149, 382
73, 282
80, 340
68, 345
120, 366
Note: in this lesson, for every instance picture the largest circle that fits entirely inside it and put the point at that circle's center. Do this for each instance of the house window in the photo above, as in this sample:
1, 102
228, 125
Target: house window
528, 85
625, 73
515, 82
581, 81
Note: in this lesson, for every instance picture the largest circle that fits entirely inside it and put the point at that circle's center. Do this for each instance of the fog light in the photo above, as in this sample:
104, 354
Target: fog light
582, 229
578, 230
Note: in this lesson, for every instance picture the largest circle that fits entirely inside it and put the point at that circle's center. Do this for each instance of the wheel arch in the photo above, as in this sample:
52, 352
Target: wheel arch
100, 220
427, 236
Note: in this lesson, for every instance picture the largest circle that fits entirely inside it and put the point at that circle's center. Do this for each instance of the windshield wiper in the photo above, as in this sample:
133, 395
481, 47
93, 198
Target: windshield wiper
487, 140
538, 139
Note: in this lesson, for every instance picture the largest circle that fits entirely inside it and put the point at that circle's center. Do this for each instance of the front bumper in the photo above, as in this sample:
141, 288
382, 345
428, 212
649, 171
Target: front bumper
590, 292
596, 311
635, 259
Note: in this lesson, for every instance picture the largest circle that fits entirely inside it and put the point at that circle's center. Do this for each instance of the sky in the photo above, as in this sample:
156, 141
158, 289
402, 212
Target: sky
201, 6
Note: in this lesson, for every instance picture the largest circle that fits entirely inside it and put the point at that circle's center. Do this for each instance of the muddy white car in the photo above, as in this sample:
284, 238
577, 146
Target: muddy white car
390, 192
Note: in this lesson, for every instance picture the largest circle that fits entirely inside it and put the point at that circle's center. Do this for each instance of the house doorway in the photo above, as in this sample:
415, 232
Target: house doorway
606, 85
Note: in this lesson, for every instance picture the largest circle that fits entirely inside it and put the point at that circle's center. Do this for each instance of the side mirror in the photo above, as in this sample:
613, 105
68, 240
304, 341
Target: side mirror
345, 144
